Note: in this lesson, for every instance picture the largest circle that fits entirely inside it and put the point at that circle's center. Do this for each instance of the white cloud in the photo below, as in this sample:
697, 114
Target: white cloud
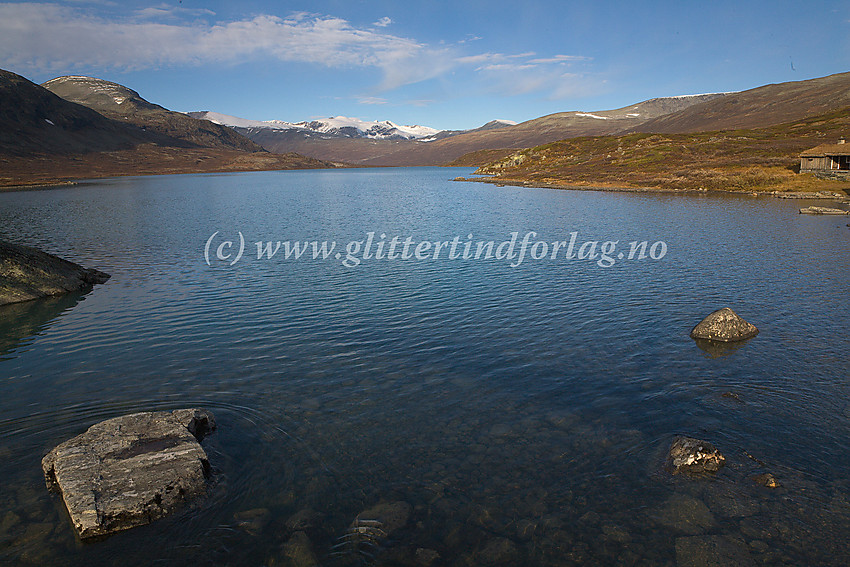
54, 38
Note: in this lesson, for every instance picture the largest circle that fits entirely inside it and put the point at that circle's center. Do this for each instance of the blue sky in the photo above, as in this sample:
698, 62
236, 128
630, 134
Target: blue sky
449, 65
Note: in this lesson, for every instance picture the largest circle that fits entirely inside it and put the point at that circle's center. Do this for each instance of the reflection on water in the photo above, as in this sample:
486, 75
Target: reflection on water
486, 415
19, 321
715, 349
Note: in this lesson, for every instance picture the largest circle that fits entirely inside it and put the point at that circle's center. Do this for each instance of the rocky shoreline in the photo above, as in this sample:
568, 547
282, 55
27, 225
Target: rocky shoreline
500, 182
28, 273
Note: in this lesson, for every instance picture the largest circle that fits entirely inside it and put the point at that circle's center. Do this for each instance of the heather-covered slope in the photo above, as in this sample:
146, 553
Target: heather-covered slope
747, 159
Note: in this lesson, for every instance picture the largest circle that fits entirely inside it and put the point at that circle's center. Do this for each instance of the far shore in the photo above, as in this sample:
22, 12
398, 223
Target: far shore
17, 173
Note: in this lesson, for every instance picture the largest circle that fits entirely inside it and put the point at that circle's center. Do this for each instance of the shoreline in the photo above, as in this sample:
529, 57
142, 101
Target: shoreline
613, 188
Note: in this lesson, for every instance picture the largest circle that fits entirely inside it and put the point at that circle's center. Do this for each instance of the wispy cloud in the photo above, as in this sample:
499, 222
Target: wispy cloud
560, 59
372, 100
169, 11
55, 38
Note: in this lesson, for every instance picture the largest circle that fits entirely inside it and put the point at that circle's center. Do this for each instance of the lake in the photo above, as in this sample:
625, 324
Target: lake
510, 413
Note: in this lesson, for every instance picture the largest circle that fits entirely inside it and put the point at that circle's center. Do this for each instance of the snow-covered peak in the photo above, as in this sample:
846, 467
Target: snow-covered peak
355, 127
341, 126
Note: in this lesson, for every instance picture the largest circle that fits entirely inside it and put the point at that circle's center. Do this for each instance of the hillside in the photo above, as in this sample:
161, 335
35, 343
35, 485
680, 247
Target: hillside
745, 159
123, 104
756, 108
541, 130
35, 121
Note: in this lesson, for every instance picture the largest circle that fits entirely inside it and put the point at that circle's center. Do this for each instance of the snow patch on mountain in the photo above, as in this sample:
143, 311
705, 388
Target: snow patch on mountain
589, 115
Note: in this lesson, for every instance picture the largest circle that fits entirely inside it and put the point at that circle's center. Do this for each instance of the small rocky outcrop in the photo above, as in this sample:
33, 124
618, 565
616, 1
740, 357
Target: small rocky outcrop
823, 211
724, 325
693, 457
130, 470
27, 273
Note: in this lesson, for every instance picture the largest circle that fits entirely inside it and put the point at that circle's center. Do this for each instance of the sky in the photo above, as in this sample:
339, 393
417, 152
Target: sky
445, 64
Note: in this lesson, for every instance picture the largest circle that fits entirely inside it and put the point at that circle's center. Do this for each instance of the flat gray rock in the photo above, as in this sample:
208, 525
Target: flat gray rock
724, 325
130, 470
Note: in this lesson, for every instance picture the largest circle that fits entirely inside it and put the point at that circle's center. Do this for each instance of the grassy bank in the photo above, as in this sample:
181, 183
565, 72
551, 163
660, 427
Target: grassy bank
764, 159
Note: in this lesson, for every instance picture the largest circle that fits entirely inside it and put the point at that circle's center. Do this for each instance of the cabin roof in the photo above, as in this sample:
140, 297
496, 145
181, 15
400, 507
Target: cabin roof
827, 150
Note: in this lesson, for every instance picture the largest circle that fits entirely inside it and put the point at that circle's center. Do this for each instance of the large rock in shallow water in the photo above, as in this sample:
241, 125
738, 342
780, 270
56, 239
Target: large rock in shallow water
130, 470
27, 273
692, 456
724, 325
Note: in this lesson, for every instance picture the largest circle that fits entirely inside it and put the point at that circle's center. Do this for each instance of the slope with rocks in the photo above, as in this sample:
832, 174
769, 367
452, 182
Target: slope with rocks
35, 121
123, 104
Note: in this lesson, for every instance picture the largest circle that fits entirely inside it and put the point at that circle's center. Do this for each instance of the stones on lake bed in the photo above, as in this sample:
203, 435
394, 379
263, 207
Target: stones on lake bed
693, 456
130, 470
724, 325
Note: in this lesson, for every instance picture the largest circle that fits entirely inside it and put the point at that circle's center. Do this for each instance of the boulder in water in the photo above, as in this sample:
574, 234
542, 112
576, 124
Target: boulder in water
692, 456
130, 470
724, 325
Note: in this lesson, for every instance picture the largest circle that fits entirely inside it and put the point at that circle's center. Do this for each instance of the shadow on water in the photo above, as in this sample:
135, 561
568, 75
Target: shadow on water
719, 349
20, 321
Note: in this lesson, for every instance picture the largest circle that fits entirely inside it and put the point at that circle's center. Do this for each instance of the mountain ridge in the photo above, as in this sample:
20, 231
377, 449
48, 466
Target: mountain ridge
126, 105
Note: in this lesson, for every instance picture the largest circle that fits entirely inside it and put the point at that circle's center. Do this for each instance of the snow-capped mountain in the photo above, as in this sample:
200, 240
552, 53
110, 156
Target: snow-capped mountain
335, 126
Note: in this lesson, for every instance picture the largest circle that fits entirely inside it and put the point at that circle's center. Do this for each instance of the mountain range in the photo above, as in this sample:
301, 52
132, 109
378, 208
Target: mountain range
333, 127
385, 143
82, 126
78, 127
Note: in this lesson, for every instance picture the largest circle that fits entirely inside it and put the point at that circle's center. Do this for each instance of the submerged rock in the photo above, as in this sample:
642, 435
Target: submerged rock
712, 551
692, 456
767, 480
130, 470
391, 515
298, 552
724, 325
684, 513
27, 273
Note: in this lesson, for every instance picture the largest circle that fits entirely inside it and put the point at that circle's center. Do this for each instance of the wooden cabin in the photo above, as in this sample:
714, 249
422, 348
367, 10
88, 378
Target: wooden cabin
826, 158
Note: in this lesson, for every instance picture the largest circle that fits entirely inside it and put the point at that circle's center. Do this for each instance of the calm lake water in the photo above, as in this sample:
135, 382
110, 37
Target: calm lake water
508, 415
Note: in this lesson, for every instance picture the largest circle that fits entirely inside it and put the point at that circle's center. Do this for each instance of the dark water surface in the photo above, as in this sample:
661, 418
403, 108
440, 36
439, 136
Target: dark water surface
522, 414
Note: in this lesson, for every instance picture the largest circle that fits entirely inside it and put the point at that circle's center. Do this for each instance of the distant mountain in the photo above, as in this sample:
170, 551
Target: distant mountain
757, 108
387, 144
333, 127
339, 138
123, 104
35, 121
